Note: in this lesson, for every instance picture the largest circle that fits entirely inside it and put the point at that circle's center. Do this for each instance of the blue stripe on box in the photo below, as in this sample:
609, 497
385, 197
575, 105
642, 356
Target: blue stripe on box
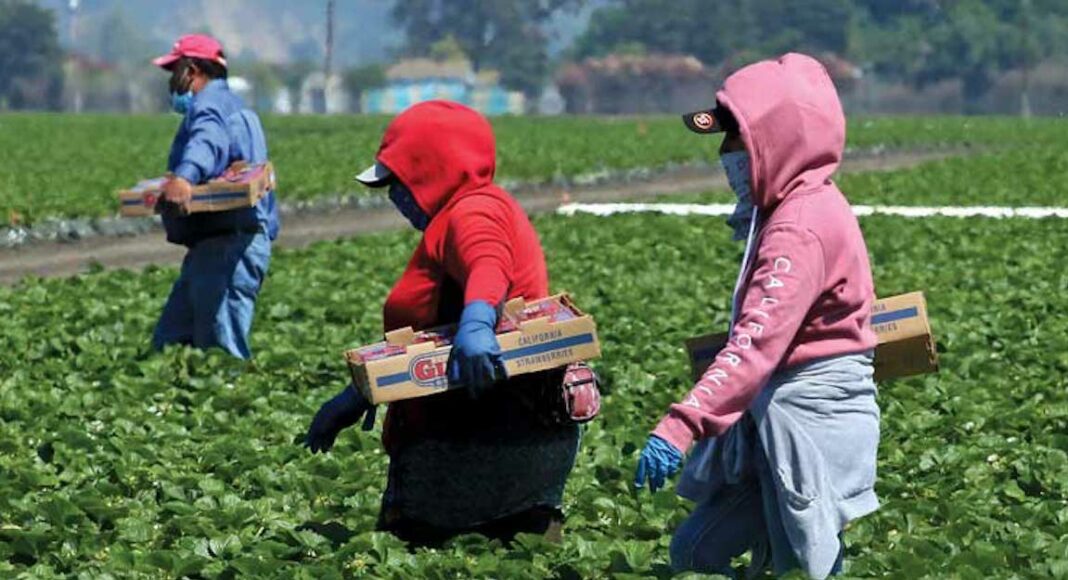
210, 197
201, 197
571, 341
548, 346
895, 315
390, 380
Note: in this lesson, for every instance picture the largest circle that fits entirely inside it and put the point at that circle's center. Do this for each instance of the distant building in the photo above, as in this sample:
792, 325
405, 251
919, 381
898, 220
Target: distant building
319, 95
663, 83
81, 70
846, 75
627, 84
241, 87
416, 80
97, 85
282, 103
551, 102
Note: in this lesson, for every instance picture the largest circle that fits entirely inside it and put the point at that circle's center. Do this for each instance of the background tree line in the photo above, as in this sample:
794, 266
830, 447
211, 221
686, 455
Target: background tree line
914, 41
918, 42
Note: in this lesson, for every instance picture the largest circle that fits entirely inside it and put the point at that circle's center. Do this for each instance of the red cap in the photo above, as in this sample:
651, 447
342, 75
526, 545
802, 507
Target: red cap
192, 46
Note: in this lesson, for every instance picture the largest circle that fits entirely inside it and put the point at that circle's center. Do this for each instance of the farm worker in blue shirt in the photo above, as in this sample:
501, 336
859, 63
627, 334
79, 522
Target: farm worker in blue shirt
212, 302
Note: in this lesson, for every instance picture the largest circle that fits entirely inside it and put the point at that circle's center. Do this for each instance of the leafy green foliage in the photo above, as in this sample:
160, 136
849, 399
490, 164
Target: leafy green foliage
1026, 169
31, 59
1011, 178
505, 35
121, 462
70, 166
914, 41
757, 27
970, 40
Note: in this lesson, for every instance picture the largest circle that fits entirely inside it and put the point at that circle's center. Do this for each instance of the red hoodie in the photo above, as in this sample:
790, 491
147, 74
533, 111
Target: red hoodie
479, 244
808, 292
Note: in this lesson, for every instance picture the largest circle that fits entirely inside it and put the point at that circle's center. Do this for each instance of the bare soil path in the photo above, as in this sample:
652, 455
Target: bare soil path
302, 229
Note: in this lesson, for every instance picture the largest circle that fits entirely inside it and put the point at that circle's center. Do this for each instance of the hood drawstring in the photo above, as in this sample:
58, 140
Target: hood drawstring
735, 307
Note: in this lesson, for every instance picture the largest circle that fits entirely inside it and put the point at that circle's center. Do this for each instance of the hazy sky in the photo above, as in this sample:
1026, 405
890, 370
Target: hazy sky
270, 30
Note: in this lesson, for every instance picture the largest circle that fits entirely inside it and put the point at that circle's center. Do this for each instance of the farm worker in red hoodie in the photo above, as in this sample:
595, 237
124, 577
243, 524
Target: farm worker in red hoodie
483, 459
784, 420
212, 302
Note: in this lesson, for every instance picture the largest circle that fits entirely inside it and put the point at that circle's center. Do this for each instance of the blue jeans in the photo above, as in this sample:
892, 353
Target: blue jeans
212, 302
738, 518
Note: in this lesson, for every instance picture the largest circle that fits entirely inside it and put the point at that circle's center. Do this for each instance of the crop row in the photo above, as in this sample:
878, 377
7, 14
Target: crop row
1034, 175
70, 166
123, 462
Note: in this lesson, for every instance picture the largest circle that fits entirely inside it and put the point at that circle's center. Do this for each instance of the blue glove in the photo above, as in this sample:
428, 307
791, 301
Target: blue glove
342, 411
475, 361
659, 460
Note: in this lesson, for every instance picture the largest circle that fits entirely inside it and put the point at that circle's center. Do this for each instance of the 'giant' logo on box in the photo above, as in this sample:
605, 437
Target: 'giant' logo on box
427, 372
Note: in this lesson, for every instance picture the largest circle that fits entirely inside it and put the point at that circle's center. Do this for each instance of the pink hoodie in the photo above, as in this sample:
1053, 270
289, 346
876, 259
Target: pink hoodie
808, 291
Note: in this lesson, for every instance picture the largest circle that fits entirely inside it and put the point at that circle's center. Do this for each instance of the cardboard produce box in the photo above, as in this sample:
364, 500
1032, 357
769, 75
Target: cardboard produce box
241, 186
906, 346
534, 336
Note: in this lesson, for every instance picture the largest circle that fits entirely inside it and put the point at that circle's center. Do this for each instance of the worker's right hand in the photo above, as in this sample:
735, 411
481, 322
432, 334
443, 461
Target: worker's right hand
475, 359
344, 410
179, 192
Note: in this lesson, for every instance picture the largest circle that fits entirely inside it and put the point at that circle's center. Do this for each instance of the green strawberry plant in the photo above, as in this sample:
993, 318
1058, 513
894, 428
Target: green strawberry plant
67, 166
120, 462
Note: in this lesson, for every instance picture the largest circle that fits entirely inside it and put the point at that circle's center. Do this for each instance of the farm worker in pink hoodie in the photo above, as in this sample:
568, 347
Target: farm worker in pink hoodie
783, 427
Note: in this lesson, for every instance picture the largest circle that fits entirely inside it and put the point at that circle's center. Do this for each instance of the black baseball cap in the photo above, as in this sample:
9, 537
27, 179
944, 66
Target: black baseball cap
377, 175
718, 119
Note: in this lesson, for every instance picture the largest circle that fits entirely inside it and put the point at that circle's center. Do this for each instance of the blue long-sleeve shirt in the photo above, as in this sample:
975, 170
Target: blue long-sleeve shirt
217, 131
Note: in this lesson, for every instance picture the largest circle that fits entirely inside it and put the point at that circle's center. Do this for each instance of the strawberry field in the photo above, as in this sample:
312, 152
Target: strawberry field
72, 166
119, 462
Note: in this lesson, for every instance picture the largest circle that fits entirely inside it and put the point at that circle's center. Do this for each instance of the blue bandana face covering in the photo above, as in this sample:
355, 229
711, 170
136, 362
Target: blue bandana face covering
737, 167
405, 202
180, 102
181, 87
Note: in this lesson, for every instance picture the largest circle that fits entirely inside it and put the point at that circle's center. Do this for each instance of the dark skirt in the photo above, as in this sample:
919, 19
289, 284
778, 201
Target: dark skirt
474, 463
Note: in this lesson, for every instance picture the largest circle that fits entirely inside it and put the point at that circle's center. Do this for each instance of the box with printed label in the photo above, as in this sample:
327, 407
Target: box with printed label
534, 336
905, 346
242, 185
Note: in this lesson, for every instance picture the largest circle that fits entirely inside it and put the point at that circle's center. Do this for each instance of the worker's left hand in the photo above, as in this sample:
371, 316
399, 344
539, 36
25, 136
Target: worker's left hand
659, 461
342, 411
475, 360
178, 191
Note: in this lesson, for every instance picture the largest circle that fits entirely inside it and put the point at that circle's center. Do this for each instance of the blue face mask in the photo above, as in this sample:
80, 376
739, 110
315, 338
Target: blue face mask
402, 197
737, 167
181, 102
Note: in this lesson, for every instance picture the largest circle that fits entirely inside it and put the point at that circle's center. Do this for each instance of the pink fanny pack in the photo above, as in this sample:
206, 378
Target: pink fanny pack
581, 394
